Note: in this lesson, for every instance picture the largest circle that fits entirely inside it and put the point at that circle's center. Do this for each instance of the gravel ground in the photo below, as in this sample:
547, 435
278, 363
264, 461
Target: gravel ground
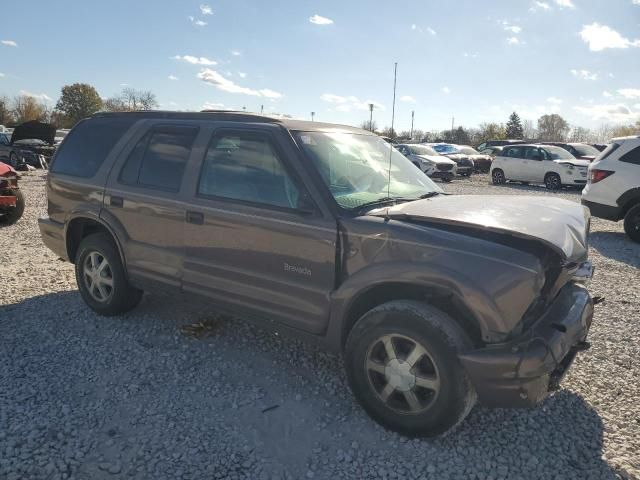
86, 397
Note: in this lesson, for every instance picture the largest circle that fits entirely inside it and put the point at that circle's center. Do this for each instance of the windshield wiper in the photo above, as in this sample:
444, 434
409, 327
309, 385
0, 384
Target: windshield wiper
381, 201
429, 195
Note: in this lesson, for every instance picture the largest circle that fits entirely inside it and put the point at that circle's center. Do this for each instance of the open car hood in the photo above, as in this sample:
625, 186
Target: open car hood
576, 162
560, 224
34, 130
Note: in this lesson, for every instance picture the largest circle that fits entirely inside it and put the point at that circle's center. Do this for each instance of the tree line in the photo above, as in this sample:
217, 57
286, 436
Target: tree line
76, 102
548, 128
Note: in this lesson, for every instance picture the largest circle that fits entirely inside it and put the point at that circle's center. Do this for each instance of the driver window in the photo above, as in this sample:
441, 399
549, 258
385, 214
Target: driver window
245, 166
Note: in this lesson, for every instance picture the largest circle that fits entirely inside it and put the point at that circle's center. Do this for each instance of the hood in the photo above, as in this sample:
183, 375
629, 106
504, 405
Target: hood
576, 162
34, 130
437, 159
560, 224
6, 169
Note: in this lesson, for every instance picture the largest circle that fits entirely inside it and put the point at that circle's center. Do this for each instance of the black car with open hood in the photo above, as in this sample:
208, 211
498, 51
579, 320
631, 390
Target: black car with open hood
27, 144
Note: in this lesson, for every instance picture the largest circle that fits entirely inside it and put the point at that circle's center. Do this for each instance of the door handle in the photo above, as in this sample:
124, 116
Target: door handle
116, 201
196, 218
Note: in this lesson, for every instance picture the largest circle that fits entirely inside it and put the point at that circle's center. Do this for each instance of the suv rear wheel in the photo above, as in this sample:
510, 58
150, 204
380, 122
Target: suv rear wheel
632, 223
402, 365
552, 181
101, 278
497, 177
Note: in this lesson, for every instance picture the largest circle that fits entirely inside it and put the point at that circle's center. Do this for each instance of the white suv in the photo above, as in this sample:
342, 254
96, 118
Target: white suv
613, 190
547, 164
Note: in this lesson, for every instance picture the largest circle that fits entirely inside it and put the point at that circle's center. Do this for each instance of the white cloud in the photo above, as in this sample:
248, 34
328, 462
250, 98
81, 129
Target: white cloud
630, 92
618, 113
172, 77
554, 100
513, 41
607, 94
512, 28
346, 104
584, 74
197, 23
39, 96
242, 75
220, 82
470, 55
195, 60
319, 20
446, 90
1, 75
635, 2
600, 37
215, 106
206, 10
565, 3
431, 31
408, 99
414, 26
236, 53
540, 6
9, 43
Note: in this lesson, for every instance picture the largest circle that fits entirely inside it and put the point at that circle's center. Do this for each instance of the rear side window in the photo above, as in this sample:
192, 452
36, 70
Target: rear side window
514, 152
632, 156
159, 158
612, 147
89, 143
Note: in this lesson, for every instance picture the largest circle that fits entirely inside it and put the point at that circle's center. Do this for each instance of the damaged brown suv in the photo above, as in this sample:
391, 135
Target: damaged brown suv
328, 232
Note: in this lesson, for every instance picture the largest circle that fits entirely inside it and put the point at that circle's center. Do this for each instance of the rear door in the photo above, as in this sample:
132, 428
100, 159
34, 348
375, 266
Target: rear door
144, 198
255, 239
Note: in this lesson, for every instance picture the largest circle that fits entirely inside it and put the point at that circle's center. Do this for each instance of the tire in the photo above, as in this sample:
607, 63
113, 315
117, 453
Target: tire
120, 296
445, 395
552, 181
13, 159
497, 177
632, 223
13, 214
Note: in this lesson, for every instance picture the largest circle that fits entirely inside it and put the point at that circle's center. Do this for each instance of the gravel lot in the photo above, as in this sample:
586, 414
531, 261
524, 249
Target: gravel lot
86, 397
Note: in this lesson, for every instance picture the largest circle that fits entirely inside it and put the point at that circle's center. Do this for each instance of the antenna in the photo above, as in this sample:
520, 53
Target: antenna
393, 117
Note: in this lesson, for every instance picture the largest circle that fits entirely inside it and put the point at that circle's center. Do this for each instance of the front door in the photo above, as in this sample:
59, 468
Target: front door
255, 240
534, 164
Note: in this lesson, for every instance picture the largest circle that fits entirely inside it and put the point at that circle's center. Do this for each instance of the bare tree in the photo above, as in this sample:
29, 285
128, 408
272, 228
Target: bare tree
580, 134
366, 125
491, 131
552, 128
115, 104
131, 99
6, 115
529, 131
27, 108
604, 133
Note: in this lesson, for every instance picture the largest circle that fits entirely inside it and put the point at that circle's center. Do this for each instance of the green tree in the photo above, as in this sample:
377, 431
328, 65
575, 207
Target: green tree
552, 128
26, 108
514, 127
78, 101
490, 131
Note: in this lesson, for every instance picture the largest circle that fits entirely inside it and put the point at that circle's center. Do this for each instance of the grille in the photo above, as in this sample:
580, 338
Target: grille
445, 167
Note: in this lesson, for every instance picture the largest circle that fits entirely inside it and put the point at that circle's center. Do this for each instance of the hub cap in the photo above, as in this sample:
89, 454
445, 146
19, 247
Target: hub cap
402, 374
98, 277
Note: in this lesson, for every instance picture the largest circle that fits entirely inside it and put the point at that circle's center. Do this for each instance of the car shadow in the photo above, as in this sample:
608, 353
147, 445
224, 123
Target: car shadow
541, 188
616, 246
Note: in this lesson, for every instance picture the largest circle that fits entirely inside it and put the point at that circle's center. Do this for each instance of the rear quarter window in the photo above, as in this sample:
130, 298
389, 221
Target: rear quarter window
632, 156
87, 146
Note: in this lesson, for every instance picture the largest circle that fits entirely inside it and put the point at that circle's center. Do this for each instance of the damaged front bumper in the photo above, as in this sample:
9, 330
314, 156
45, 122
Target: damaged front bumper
520, 373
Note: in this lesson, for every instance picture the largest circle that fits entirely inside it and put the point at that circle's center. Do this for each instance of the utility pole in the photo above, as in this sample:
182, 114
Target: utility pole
313, 114
261, 109
452, 119
412, 115
371, 117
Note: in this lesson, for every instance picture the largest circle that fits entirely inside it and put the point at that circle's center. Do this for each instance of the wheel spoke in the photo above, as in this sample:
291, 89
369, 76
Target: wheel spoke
388, 346
415, 355
108, 281
412, 400
94, 261
102, 290
386, 392
375, 366
430, 382
102, 265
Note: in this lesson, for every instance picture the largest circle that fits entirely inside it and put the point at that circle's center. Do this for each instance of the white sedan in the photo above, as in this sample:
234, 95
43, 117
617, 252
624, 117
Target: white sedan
547, 164
429, 161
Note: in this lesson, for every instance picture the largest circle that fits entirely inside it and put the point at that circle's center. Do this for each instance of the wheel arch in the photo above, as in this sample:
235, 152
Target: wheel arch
628, 199
79, 227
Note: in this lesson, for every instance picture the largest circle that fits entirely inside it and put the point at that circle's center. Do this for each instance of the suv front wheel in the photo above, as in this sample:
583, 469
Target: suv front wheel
101, 278
402, 365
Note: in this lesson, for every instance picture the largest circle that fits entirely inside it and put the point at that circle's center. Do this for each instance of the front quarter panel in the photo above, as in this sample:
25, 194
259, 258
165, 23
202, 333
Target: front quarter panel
495, 282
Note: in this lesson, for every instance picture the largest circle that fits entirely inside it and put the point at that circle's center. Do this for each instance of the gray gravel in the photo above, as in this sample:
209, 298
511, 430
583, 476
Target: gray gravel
86, 397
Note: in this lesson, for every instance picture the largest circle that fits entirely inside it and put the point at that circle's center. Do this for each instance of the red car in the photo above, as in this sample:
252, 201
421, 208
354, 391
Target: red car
11, 198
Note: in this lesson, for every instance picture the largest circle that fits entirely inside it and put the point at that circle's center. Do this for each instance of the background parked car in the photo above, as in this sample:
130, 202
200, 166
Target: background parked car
581, 151
11, 198
464, 164
481, 161
491, 151
429, 161
599, 146
613, 189
26, 143
498, 143
547, 164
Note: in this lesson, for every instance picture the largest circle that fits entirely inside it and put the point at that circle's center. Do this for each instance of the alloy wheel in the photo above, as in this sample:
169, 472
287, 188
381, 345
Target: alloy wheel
98, 276
402, 373
498, 177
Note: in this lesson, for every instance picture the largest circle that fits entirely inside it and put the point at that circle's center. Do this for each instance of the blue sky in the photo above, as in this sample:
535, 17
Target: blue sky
475, 60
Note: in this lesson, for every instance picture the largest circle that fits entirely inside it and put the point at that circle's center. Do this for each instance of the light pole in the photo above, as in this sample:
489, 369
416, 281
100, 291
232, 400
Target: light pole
261, 109
313, 114
371, 117
412, 114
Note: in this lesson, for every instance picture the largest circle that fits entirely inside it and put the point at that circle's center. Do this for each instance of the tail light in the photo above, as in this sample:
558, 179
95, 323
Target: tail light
598, 175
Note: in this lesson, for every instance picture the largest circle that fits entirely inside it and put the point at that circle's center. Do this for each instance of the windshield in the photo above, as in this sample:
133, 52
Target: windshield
30, 141
558, 153
468, 151
444, 148
586, 150
422, 150
355, 168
